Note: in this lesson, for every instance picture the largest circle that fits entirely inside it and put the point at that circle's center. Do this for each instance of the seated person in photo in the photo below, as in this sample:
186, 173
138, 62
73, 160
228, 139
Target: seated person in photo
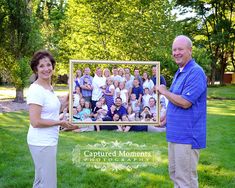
65, 116
148, 117
153, 106
103, 106
135, 105
125, 128
82, 102
146, 111
163, 103
130, 113
146, 97
123, 94
78, 113
115, 117
96, 112
87, 111
120, 109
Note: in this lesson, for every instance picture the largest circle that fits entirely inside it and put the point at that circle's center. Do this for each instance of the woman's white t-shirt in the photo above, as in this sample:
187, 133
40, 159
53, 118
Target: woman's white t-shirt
123, 95
149, 84
50, 103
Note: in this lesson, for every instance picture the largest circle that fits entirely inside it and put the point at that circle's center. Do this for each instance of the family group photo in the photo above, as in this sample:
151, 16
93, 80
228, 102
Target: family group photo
117, 94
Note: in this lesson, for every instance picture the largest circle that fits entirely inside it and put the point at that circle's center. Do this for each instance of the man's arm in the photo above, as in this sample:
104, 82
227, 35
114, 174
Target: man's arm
177, 100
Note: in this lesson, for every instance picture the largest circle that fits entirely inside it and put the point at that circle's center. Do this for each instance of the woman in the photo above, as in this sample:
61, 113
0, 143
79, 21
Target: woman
109, 92
106, 73
147, 82
44, 109
77, 79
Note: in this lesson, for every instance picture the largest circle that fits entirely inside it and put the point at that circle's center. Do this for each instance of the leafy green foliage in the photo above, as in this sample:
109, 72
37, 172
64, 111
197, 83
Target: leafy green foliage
118, 30
213, 28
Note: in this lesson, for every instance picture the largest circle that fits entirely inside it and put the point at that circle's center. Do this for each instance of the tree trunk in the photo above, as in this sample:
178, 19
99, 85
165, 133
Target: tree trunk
213, 71
19, 95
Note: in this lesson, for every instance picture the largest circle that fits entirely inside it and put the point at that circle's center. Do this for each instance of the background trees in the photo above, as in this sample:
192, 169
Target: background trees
213, 29
19, 39
113, 30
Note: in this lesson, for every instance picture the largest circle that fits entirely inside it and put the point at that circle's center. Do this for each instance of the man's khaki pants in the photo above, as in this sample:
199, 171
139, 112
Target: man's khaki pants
183, 162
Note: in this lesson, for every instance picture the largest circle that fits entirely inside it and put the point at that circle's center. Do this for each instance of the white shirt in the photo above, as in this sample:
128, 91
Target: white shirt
145, 100
123, 96
149, 84
76, 99
97, 82
50, 103
116, 91
135, 106
118, 78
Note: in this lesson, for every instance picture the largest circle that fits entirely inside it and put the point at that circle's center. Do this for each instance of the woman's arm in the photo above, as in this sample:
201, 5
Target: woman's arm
37, 122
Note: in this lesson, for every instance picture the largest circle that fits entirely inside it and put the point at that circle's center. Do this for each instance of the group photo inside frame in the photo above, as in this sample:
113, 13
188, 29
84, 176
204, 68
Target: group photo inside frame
139, 117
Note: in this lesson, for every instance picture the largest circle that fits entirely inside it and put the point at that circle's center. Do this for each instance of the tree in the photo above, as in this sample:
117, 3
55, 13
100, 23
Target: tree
118, 30
20, 38
215, 31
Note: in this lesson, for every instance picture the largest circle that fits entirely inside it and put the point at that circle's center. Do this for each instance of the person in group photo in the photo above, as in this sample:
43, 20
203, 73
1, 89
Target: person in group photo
115, 76
86, 84
137, 90
154, 76
77, 96
98, 85
109, 92
106, 73
44, 110
148, 83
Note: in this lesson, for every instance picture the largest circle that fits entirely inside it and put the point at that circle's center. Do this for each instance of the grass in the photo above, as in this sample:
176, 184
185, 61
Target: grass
8, 92
216, 167
216, 92
221, 92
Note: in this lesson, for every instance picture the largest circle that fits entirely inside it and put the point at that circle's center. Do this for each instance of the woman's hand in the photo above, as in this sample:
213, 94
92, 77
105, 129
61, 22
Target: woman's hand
66, 124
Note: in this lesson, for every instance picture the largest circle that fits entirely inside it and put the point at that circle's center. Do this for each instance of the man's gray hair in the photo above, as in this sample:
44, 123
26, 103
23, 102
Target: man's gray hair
187, 39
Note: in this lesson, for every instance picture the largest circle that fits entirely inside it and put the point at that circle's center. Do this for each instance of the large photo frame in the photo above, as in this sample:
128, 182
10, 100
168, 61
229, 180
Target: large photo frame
154, 120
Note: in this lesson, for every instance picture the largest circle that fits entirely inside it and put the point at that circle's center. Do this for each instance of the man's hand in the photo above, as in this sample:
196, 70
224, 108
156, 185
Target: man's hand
161, 89
163, 120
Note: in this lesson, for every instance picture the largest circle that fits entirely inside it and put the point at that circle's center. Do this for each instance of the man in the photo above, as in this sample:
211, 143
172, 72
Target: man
129, 82
137, 75
127, 71
154, 73
115, 75
98, 84
86, 84
186, 115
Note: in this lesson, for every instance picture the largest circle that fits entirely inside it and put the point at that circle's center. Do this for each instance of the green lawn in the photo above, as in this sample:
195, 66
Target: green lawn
227, 92
216, 167
8, 92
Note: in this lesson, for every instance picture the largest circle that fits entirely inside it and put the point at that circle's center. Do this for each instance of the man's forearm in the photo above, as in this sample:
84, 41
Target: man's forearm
177, 100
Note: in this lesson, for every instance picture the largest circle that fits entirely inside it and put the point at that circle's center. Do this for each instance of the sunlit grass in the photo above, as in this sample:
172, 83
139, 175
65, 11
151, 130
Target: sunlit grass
226, 92
216, 167
8, 92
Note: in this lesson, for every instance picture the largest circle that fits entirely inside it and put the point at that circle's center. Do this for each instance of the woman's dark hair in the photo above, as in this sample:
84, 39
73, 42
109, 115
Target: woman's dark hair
38, 56
148, 116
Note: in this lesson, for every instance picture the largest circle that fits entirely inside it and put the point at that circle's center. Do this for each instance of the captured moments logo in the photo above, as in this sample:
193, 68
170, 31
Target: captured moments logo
115, 156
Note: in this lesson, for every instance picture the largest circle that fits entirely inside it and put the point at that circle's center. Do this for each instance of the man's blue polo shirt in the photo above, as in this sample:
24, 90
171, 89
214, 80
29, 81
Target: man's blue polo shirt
188, 126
